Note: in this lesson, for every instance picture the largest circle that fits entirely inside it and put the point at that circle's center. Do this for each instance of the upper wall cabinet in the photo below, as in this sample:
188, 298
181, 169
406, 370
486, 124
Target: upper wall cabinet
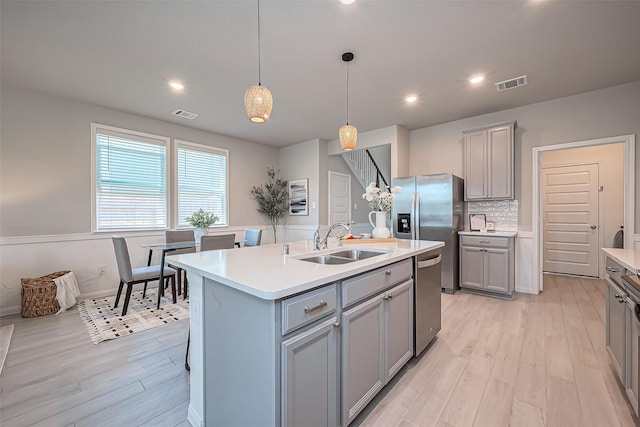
488, 162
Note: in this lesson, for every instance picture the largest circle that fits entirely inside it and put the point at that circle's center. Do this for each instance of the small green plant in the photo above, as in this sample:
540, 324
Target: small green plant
202, 219
272, 198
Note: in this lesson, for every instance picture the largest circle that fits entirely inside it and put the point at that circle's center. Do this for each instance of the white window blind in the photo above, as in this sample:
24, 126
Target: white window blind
131, 180
201, 181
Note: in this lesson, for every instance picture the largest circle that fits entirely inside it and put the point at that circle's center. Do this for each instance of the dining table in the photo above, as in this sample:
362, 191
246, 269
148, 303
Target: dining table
164, 248
170, 247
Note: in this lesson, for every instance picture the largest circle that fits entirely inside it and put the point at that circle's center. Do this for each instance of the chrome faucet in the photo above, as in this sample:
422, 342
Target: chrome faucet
322, 243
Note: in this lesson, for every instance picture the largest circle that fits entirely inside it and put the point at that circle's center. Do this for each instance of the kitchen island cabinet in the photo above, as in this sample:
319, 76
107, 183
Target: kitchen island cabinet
377, 336
266, 331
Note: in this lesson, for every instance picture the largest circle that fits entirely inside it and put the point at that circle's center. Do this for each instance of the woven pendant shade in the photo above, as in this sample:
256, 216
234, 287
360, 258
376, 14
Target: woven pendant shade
258, 103
348, 137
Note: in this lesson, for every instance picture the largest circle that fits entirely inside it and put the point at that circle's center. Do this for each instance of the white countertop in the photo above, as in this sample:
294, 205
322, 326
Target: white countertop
263, 271
489, 233
629, 258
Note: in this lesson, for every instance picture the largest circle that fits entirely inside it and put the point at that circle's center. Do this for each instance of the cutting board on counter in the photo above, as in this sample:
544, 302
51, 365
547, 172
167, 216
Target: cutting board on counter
372, 240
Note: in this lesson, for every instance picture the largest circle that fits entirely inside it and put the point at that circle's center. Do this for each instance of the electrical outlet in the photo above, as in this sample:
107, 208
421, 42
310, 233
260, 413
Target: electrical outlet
102, 269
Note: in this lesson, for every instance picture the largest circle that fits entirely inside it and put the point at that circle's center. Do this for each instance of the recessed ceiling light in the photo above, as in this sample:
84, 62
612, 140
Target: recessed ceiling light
411, 99
347, 1
476, 79
176, 85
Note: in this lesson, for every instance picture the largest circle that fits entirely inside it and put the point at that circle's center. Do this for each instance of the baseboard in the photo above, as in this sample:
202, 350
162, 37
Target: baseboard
8, 311
194, 418
16, 309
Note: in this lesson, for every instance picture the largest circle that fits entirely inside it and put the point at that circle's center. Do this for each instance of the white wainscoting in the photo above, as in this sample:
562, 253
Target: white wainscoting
36, 256
524, 266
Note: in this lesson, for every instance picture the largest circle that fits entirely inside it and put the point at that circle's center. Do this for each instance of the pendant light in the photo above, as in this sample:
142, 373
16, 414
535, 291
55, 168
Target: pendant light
348, 133
257, 99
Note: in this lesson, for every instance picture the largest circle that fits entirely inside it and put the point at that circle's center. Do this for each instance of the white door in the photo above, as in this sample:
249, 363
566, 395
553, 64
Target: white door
339, 197
570, 219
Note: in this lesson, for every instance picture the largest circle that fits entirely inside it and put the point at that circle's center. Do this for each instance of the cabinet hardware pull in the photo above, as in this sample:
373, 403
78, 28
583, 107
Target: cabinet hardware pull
320, 305
336, 325
483, 241
614, 270
388, 272
387, 297
593, 227
617, 295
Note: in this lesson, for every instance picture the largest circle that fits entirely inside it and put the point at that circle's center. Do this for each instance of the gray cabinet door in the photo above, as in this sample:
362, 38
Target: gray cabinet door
615, 330
496, 270
471, 267
633, 363
363, 370
310, 377
475, 165
398, 335
500, 163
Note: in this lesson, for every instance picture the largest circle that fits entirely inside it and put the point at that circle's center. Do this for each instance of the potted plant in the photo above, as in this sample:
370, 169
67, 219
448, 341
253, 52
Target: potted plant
201, 219
272, 198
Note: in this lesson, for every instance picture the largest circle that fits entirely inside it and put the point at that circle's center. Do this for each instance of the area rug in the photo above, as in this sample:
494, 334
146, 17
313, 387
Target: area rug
5, 339
106, 323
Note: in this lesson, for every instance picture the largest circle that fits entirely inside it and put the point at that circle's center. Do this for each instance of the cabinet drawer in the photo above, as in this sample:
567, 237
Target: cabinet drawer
360, 287
486, 242
304, 309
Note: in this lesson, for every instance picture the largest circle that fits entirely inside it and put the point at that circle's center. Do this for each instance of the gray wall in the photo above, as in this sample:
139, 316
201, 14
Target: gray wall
45, 167
603, 113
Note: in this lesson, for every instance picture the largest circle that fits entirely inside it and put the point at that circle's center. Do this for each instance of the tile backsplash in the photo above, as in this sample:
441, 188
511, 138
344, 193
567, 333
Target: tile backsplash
503, 213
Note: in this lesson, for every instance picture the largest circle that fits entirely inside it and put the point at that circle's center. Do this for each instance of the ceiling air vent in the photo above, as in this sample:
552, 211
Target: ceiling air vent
185, 114
511, 83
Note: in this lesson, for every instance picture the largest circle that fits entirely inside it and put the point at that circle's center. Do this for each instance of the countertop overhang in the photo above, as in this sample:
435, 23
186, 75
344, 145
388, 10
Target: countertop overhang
488, 233
265, 272
629, 258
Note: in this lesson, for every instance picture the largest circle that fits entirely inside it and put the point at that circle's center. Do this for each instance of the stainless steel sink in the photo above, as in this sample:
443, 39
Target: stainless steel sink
342, 257
356, 254
327, 259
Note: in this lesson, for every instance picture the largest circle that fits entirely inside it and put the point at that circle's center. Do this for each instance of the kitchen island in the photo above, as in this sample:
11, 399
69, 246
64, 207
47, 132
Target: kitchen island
278, 340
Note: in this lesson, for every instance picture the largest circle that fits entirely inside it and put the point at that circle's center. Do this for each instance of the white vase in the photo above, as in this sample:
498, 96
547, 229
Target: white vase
380, 230
199, 232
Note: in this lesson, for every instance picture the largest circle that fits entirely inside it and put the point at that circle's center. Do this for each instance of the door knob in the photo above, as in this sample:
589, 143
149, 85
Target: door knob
593, 227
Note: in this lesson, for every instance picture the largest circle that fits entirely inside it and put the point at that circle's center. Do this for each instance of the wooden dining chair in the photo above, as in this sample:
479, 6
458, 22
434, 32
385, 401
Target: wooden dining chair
174, 236
220, 241
252, 236
132, 276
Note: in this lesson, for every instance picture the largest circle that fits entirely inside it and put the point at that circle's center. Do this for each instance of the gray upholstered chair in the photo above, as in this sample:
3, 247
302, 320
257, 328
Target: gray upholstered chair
132, 276
175, 236
220, 241
252, 237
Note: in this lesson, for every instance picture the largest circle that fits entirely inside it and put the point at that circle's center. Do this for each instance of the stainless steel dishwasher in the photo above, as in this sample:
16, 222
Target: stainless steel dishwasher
426, 309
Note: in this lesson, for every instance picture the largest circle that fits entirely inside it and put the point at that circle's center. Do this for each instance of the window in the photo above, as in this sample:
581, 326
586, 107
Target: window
130, 191
201, 180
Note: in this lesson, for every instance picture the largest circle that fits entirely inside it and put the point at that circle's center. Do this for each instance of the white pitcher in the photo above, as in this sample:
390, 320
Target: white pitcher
380, 230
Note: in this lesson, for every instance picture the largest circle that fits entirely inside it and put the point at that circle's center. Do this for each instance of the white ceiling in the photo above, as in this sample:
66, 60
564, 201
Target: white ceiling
120, 54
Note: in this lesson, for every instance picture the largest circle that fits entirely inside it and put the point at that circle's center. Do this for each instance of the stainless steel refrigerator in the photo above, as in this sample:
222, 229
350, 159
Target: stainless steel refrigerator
431, 207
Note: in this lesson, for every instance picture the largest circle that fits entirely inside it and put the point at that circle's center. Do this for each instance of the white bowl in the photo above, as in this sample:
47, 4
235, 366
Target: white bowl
365, 235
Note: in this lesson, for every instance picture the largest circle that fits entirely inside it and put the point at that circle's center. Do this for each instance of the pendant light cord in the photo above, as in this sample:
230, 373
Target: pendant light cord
259, 74
347, 93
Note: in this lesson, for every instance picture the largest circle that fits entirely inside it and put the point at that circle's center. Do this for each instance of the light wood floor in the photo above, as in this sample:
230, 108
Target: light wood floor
536, 360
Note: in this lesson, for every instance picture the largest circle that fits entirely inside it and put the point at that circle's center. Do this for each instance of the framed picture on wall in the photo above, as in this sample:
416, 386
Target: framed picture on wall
299, 197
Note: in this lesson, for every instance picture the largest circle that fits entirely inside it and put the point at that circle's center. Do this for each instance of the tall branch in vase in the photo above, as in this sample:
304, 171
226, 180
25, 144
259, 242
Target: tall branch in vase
272, 198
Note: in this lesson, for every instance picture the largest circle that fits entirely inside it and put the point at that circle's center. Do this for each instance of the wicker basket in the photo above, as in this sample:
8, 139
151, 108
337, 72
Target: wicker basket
39, 295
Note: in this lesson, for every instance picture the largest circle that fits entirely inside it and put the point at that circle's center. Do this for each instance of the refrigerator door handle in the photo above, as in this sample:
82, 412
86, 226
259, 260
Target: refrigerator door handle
416, 220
